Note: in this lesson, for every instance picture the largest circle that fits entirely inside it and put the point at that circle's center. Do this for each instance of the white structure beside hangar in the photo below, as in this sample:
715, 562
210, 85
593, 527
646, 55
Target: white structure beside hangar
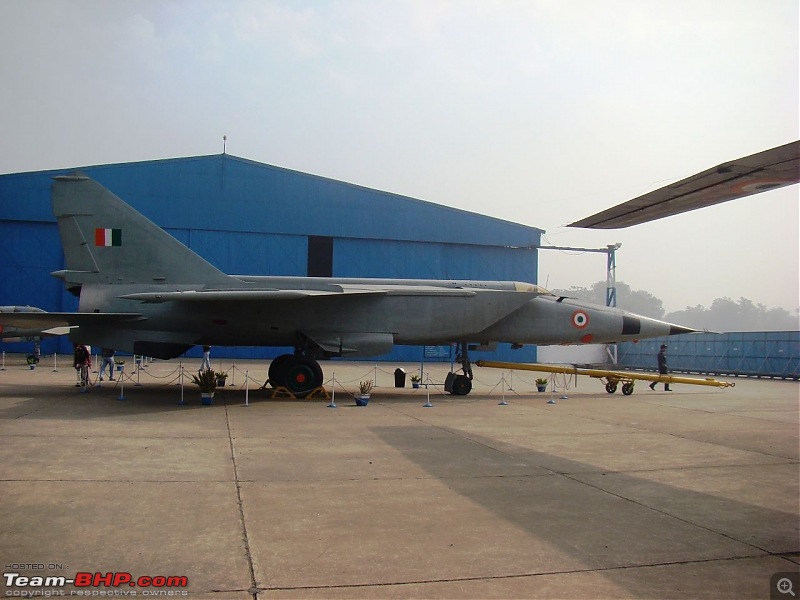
252, 218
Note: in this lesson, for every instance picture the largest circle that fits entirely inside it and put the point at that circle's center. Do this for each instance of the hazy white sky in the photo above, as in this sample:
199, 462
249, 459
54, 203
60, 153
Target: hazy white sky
539, 112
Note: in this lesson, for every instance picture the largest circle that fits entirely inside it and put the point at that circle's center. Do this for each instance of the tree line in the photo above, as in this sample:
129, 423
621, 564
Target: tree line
724, 314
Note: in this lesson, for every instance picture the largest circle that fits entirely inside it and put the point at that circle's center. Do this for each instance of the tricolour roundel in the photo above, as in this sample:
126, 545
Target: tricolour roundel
762, 185
580, 319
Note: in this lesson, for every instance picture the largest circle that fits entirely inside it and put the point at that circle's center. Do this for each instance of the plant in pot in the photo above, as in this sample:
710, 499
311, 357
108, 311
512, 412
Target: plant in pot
364, 391
415, 379
207, 382
221, 377
541, 384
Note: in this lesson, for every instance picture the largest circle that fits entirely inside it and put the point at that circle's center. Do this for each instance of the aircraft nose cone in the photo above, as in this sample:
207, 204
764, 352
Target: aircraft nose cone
677, 329
651, 328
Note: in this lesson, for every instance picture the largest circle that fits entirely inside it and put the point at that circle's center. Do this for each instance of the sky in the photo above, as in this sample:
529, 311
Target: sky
539, 112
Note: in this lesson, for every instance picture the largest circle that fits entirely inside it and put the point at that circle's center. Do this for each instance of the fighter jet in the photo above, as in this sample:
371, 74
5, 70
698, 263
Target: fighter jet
142, 291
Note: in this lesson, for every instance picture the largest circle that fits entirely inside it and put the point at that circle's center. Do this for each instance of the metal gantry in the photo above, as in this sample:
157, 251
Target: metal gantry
611, 280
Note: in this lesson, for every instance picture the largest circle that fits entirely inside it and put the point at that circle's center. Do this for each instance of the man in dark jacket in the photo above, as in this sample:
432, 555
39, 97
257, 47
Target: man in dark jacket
662, 367
82, 362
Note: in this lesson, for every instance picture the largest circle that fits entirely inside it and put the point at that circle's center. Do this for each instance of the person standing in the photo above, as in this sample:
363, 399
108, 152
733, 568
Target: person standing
662, 367
108, 359
206, 364
82, 361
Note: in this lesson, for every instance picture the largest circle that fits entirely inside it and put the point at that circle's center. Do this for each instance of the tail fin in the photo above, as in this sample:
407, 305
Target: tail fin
107, 241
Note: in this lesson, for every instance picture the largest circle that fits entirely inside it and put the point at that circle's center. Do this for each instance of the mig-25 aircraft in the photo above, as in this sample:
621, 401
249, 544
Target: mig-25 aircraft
144, 292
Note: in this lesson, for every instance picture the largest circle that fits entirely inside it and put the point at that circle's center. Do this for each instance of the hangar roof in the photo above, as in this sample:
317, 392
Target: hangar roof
225, 192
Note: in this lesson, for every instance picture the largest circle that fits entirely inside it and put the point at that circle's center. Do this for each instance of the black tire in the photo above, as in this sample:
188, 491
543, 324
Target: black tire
462, 385
612, 387
301, 375
627, 389
277, 372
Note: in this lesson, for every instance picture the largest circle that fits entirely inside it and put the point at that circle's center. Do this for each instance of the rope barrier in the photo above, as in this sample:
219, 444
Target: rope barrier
510, 382
428, 390
333, 382
503, 381
180, 377
332, 403
246, 388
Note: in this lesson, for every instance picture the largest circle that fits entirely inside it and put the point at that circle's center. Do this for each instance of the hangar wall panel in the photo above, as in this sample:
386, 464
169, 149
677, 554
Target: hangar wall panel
758, 354
26, 197
26, 250
246, 253
421, 260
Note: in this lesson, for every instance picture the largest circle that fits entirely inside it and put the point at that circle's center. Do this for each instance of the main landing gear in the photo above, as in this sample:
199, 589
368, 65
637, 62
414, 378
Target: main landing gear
301, 374
460, 384
298, 373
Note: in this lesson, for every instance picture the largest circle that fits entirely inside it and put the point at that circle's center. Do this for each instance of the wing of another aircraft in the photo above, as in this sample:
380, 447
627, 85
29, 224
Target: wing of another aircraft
48, 320
22, 334
768, 170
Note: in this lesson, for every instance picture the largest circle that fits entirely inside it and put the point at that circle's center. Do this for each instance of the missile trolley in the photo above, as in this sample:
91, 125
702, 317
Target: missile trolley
611, 379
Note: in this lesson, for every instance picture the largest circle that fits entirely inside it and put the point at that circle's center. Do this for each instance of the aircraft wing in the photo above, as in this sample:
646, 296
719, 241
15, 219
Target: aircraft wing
266, 295
742, 177
222, 295
47, 320
17, 334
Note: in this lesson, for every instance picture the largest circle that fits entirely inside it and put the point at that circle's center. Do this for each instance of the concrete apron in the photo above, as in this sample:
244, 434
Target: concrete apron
691, 494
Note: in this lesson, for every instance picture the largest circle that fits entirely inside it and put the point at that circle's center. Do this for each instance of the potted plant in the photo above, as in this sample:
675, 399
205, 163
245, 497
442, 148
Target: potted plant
541, 384
415, 379
207, 382
120, 364
364, 391
221, 377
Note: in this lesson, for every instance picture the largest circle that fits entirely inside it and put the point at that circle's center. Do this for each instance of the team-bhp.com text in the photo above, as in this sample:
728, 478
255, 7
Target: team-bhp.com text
157, 585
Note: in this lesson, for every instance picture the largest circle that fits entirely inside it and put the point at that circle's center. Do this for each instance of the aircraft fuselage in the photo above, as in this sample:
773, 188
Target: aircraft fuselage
382, 312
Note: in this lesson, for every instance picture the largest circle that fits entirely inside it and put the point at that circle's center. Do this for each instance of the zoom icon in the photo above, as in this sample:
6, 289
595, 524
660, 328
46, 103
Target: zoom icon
784, 585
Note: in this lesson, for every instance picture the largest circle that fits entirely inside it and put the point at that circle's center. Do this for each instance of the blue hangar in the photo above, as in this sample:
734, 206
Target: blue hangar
251, 218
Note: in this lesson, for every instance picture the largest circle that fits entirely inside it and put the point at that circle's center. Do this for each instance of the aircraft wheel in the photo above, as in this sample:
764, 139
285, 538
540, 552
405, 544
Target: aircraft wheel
611, 387
627, 389
462, 385
301, 375
277, 372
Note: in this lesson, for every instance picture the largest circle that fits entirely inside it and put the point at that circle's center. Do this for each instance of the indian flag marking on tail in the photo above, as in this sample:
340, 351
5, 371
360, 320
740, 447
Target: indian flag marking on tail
108, 237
